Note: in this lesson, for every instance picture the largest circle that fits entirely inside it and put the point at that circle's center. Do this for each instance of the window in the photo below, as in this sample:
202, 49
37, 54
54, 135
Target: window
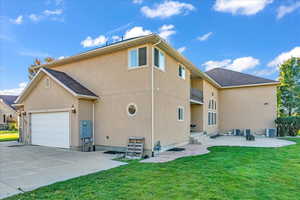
212, 118
131, 109
47, 83
181, 72
137, 57
4, 119
159, 59
180, 113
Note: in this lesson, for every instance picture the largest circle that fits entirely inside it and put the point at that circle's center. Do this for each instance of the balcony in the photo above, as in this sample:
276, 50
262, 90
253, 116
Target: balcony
196, 96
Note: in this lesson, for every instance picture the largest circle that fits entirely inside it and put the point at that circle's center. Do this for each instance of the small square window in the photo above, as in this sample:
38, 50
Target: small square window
47, 83
159, 59
180, 112
181, 72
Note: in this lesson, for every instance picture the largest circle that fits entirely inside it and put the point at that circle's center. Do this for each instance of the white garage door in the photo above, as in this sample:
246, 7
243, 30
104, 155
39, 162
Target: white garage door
50, 129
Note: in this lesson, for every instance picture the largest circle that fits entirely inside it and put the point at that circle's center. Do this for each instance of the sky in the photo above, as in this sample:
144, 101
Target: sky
250, 36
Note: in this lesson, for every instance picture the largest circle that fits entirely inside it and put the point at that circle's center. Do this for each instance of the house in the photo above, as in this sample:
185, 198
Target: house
7, 111
139, 87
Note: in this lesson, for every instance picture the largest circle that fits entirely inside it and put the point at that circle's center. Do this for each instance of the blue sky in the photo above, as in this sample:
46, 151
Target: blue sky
251, 36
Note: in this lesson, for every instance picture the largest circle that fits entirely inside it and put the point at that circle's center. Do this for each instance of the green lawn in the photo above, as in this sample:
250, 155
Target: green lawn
9, 135
225, 173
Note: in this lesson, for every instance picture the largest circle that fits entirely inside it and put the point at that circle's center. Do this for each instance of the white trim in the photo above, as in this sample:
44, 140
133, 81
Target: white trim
50, 110
55, 79
194, 101
136, 109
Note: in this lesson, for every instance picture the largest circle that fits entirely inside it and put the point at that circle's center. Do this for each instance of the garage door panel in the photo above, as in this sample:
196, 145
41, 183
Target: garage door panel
50, 129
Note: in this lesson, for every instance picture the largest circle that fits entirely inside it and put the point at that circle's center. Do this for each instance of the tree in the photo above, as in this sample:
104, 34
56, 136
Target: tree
288, 93
37, 62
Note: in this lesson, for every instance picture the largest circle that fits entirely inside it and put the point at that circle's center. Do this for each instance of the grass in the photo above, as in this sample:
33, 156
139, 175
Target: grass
225, 173
9, 136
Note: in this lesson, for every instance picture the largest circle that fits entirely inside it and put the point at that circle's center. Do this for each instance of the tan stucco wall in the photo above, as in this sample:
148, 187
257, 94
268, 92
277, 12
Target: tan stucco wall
171, 92
55, 97
109, 77
244, 108
196, 109
7, 111
210, 92
197, 117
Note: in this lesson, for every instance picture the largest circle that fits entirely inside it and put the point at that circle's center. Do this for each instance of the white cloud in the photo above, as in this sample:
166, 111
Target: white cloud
295, 52
90, 42
166, 31
137, 1
136, 31
53, 12
14, 91
181, 49
35, 17
61, 57
35, 54
18, 20
284, 10
239, 64
242, 7
204, 37
167, 9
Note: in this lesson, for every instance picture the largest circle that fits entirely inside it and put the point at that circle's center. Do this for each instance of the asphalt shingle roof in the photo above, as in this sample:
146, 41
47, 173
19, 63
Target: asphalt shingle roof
227, 78
9, 99
70, 83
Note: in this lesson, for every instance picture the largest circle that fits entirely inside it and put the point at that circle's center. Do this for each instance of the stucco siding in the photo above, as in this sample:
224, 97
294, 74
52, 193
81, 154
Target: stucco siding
249, 107
117, 86
7, 111
55, 97
170, 93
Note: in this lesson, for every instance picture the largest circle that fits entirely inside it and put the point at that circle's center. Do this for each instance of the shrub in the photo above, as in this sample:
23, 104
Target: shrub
12, 126
288, 125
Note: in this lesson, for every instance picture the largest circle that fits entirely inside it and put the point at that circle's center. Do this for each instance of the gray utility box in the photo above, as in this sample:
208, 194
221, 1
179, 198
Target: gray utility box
86, 129
86, 135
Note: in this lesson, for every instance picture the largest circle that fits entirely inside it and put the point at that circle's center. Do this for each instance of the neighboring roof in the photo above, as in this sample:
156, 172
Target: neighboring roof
128, 43
9, 99
63, 79
229, 78
70, 83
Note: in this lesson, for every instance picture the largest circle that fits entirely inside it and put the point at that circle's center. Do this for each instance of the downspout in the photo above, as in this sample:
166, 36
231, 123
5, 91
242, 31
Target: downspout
93, 122
152, 100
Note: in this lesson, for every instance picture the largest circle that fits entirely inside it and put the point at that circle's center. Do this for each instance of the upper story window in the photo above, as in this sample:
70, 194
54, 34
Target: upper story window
180, 113
137, 57
181, 71
159, 59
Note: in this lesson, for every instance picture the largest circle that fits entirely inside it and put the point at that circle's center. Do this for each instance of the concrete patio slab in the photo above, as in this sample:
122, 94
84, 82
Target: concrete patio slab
197, 149
24, 168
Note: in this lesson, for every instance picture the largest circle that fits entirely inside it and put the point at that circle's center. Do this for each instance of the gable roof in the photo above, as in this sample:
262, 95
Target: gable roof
9, 99
64, 80
229, 78
70, 83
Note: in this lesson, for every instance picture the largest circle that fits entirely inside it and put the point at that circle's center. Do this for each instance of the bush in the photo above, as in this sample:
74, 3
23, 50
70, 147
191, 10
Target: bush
288, 126
12, 126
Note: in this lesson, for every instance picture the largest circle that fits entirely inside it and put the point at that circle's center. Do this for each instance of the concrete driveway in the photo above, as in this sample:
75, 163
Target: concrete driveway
24, 168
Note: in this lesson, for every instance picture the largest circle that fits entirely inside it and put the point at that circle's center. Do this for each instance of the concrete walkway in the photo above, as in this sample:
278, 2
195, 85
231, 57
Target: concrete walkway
24, 168
196, 149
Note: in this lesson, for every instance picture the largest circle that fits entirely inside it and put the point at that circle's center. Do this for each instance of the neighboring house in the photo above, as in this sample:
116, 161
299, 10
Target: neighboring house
7, 111
139, 87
